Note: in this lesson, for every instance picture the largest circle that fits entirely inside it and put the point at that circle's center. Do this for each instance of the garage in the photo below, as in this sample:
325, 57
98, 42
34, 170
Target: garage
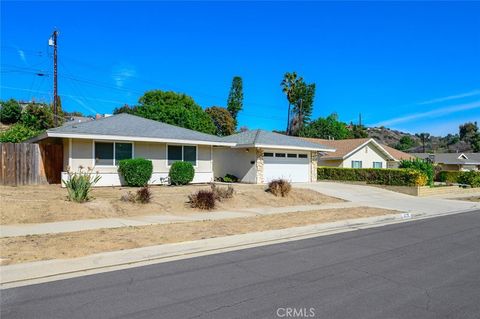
289, 165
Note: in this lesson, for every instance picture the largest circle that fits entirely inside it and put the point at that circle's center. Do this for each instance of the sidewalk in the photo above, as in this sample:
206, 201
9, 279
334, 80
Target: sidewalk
90, 224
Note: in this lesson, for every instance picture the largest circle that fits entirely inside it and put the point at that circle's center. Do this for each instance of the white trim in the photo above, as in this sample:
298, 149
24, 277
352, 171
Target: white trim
366, 143
284, 147
463, 155
114, 147
182, 145
135, 139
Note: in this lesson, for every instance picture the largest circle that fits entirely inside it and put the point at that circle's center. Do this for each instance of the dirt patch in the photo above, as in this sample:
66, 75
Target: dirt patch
48, 203
470, 199
76, 244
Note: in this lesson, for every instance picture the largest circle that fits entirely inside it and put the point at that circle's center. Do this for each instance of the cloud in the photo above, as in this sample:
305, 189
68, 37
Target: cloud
122, 73
451, 97
429, 114
83, 104
21, 54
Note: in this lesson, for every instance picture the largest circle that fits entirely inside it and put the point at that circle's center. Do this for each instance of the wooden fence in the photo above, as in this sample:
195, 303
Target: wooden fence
30, 164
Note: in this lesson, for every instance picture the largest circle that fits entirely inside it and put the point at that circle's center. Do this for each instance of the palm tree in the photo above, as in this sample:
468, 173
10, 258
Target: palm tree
289, 83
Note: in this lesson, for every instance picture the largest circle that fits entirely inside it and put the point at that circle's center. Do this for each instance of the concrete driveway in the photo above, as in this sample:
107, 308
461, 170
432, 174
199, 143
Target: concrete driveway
378, 197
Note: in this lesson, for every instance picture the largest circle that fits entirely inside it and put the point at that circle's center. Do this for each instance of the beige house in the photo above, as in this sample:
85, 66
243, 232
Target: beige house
453, 161
359, 153
253, 156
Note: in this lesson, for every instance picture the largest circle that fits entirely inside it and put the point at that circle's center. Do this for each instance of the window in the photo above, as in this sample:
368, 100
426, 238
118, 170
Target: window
302, 155
179, 153
109, 153
377, 164
279, 154
292, 155
268, 154
356, 164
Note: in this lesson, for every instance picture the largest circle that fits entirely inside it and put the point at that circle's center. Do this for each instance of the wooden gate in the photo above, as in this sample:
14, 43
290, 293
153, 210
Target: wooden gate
30, 164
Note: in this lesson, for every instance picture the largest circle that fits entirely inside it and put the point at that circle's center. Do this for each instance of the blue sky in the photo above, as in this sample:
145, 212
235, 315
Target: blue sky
412, 66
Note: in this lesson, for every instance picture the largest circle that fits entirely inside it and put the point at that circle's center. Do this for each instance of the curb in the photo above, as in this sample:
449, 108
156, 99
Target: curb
51, 270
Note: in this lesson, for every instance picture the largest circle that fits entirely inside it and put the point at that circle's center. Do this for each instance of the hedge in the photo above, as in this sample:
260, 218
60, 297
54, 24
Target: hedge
181, 173
471, 178
394, 177
448, 176
136, 171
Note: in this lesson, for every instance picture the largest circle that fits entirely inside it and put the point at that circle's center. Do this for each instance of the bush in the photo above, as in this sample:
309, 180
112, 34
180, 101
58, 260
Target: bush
471, 178
279, 187
448, 176
203, 199
229, 178
394, 177
143, 195
129, 197
18, 133
10, 112
136, 171
421, 165
221, 193
181, 173
79, 185
38, 117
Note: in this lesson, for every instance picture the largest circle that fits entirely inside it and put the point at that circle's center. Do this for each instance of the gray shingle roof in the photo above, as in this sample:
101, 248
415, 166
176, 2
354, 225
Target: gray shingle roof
260, 137
127, 125
451, 158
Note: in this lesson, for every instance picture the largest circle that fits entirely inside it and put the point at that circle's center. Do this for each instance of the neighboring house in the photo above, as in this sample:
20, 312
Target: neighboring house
70, 120
100, 144
453, 161
359, 153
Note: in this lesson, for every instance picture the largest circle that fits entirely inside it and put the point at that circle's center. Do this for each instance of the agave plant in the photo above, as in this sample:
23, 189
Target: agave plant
79, 185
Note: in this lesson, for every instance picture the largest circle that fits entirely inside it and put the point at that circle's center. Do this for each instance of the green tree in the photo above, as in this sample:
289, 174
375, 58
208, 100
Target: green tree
405, 143
235, 98
358, 131
326, 128
420, 165
174, 108
289, 88
424, 138
303, 96
124, 109
10, 112
18, 133
469, 133
222, 119
37, 116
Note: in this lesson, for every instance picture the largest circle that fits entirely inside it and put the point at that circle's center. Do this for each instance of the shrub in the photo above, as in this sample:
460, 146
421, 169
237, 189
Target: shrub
229, 178
421, 165
181, 173
38, 117
222, 193
203, 199
136, 171
471, 178
394, 177
144, 195
10, 112
448, 176
18, 133
80, 184
279, 187
128, 197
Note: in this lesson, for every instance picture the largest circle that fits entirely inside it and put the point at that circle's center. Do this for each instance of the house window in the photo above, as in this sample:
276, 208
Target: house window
109, 153
292, 155
377, 164
279, 154
179, 153
356, 164
302, 155
268, 154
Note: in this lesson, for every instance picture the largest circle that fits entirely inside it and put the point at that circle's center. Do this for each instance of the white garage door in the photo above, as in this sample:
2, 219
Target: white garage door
291, 166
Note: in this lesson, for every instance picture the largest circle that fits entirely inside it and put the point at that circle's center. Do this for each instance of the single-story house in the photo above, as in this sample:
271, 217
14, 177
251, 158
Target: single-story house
453, 161
359, 153
253, 156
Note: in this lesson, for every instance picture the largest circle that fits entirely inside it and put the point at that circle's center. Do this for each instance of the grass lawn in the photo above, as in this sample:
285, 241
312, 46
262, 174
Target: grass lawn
76, 244
48, 203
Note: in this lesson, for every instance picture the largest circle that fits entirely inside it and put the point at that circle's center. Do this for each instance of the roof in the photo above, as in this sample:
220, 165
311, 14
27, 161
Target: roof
130, 127
260, 138
451, 158
345, 147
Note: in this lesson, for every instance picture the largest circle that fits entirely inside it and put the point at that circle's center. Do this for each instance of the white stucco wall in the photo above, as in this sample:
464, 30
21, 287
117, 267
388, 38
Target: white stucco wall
237, 162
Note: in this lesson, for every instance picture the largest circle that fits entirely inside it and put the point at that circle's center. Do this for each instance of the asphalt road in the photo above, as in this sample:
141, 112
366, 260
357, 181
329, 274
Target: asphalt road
423, 269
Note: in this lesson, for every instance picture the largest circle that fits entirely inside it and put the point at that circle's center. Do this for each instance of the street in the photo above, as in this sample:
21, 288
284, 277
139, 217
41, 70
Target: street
422, 269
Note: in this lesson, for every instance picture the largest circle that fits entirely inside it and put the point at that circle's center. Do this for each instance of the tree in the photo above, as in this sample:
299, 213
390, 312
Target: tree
124, 109
74, 113
303, 96
235, 98
469, 133
224, 122
37, 117
405, 143
289, 85
326, 128
10, 112
420, 165
424, 138
174, 108
358, 131
18, 133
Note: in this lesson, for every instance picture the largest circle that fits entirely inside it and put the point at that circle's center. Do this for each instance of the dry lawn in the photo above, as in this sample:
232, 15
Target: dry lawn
470, 199
48, 203
76, 244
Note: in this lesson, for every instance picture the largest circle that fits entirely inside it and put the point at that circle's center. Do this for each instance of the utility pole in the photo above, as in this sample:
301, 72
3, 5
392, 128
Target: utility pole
53, 42
360, 119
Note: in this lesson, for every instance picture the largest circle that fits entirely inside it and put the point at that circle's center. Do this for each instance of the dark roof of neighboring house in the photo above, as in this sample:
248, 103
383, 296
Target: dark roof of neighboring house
451, 158
260, 138
127, 125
